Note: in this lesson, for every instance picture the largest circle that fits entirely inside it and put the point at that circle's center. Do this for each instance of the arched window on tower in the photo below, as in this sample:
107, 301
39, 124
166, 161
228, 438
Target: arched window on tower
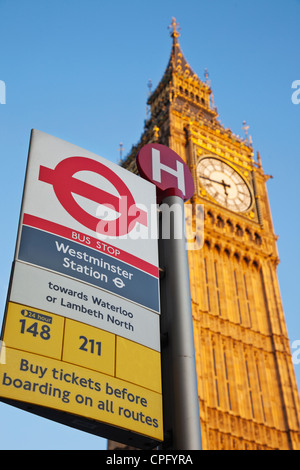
257, 239
220, 222
217, 287
239, 230
230, 227
250, 385
247, 300
249, 234
216, 376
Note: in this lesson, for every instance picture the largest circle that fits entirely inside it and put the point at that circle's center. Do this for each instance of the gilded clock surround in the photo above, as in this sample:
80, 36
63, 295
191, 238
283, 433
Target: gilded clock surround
248, 395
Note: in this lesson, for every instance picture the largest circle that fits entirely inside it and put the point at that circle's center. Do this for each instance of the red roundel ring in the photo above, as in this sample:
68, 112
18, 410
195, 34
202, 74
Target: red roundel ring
64, 184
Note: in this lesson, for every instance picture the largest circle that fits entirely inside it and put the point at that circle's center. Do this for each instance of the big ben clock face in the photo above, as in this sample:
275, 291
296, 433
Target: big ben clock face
224, 184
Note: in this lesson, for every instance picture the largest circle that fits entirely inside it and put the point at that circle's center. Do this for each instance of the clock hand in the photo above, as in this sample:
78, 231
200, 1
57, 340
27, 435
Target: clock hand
225, 185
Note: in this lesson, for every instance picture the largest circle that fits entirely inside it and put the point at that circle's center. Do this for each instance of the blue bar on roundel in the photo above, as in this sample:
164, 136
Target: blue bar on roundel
72, 259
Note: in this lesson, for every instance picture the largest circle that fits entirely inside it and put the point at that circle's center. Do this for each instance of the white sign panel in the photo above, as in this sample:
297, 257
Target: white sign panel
85, 217
58, 294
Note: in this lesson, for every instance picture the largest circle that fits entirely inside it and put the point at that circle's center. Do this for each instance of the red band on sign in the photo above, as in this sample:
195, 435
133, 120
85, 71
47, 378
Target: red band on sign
89, 241
65, 185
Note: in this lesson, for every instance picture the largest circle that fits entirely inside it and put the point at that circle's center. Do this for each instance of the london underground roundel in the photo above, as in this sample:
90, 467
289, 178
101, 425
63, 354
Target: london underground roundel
65, 185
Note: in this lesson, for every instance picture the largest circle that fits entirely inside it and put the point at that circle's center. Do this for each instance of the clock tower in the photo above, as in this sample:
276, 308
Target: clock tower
247, 390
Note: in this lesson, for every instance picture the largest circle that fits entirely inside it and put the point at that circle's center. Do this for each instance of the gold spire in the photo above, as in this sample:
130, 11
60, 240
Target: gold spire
174, 34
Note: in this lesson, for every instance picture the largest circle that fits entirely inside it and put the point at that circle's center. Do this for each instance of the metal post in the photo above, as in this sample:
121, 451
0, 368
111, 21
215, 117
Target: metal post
180, 391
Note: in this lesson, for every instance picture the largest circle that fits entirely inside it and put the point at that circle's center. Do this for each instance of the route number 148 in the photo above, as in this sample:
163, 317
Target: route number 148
33, 328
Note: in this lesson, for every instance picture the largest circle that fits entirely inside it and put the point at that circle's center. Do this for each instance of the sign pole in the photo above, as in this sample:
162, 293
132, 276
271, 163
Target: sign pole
174, 185
180, 391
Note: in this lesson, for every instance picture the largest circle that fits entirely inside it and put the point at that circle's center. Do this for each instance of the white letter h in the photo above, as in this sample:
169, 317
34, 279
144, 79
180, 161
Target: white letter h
157, 167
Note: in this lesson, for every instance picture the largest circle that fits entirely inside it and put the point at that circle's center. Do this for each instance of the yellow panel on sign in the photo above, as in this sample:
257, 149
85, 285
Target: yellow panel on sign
89, 347
58, 385
138, 364
34, 330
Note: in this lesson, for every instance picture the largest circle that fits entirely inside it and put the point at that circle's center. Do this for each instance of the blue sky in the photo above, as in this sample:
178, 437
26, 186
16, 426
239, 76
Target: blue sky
79, 70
